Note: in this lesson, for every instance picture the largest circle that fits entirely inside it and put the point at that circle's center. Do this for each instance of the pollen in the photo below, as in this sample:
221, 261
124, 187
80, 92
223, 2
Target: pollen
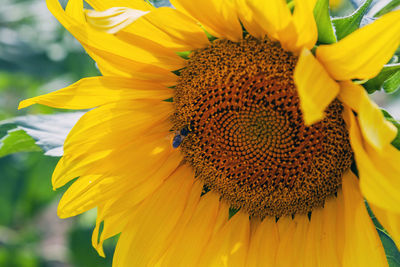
247, 139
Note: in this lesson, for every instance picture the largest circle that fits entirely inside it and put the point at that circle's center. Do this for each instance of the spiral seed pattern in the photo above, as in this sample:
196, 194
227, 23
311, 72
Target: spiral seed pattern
247, 138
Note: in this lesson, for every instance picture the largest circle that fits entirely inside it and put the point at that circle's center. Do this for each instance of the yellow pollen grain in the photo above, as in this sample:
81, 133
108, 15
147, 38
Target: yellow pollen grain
248, 140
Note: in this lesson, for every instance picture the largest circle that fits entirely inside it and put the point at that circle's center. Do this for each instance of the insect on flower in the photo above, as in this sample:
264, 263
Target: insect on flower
179, 136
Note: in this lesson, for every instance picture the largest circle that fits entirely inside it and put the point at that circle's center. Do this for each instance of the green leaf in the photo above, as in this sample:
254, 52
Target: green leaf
383, 7
184, 55
392, 84
391, 251
46, 132
346, 25
386, 73
232, 212
396, 141
326, 33
17, 140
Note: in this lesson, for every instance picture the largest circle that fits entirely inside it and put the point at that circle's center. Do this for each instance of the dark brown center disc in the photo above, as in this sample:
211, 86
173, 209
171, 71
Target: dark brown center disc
246, 136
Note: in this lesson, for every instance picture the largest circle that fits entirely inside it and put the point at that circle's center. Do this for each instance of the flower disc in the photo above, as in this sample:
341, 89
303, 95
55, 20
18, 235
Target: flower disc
243, 132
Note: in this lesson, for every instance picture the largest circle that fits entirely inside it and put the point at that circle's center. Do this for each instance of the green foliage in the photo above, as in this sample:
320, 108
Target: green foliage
49, 132
326, 32
392, 84
346, 25
387, 79
396, 141
83, 253
232, 212
385, 7
17, 140
391, 251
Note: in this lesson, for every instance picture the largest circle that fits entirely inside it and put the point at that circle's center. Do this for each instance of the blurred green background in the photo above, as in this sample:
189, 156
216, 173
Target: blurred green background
38, 56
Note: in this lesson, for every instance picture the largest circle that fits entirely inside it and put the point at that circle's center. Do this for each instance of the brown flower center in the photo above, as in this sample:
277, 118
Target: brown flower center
243, 133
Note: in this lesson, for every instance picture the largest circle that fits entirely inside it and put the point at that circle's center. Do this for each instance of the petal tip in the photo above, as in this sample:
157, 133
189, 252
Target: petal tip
26, 103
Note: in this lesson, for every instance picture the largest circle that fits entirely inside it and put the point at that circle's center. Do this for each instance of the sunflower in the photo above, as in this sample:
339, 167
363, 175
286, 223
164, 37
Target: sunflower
220, 135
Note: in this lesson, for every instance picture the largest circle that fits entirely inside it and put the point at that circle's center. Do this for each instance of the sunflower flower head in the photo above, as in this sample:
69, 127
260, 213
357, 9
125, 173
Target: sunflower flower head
229, 133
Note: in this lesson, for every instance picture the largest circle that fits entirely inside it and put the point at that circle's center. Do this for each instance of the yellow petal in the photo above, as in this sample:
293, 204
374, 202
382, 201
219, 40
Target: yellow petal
291, 248
111, 227
375, 128
74, 9
315, 87
96, 91
313, 243
249, 19
114, 19
170, 28
106, 46
362, 244
141, 185
102, 5
103, 134
195, 235
125, 190
362, 54
264, 244
276, 20
390, 221
330, 240
303, 18
340, 224
229, 246
218, 17
150, 230
323, 236
379, 172
106, 127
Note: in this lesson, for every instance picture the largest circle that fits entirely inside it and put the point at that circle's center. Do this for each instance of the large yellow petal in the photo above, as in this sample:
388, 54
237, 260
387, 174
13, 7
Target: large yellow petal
112, 226
340, 224
152, 228
331, 232
102, 5
219, 17
264, 242
113, 65
313, 244
362, 54
390, 221
291, 247
170, 28
375, 128
96, 91
276, 20
114, 19
379, 172
362, 244
315, 87
126, 190
303, 18
323, 237
106, 128
103, 134
249, 19
195, 235
229, 246
106, 162
105, 46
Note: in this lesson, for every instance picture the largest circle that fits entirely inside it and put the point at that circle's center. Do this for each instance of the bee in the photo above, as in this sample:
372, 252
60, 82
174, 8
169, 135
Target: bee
179, 136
